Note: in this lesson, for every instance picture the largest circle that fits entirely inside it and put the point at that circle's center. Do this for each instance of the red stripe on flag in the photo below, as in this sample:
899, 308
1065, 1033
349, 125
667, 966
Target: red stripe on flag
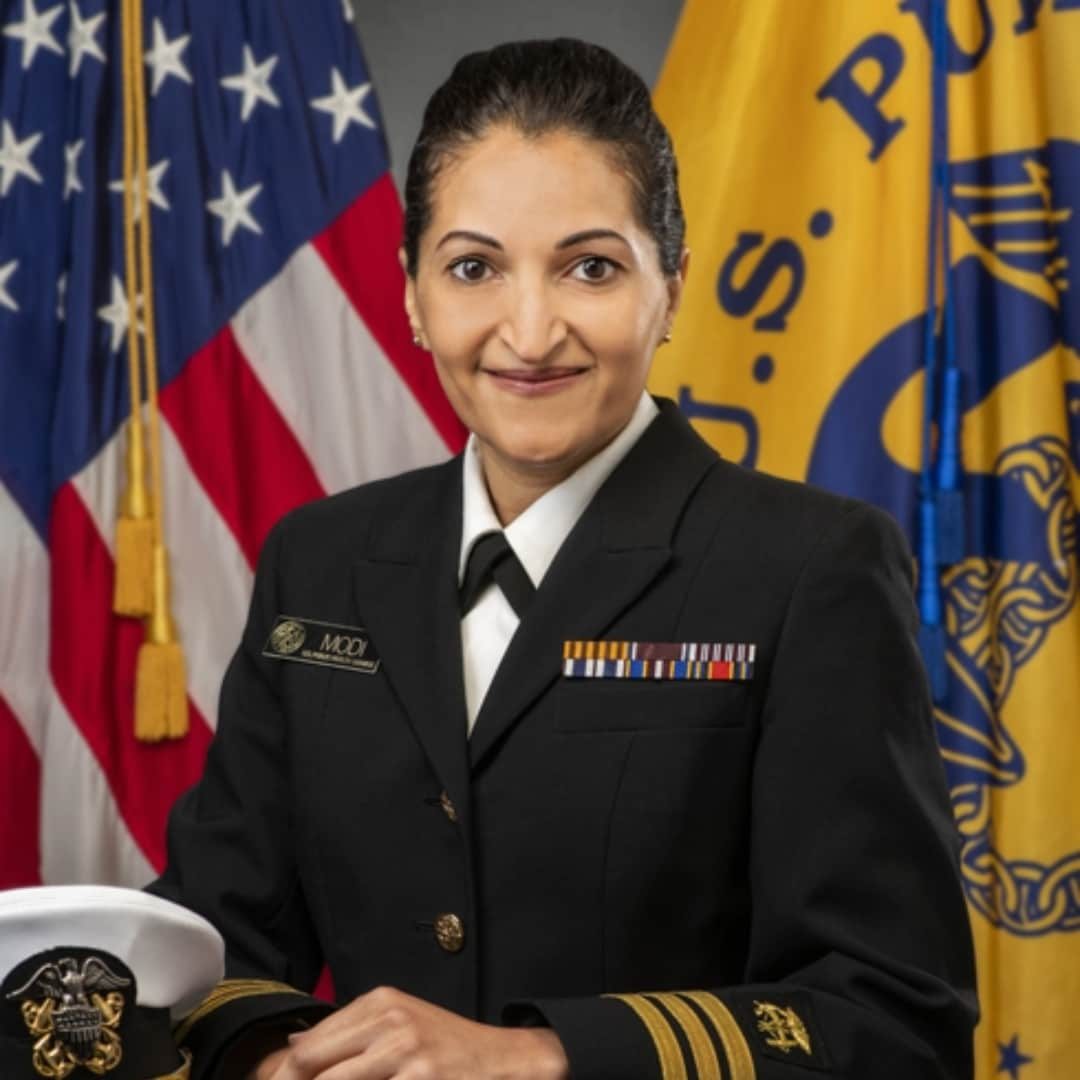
20, 851
360, 249
239, 446
92, 659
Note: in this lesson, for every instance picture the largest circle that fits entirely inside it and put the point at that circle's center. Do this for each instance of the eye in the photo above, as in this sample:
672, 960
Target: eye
595, 268
469, 269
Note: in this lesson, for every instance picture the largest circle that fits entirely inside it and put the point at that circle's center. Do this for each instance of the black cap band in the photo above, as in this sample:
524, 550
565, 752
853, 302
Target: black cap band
71, 1012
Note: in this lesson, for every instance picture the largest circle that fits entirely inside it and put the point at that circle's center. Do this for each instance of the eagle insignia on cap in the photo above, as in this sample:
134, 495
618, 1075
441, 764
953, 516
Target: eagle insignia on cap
73, 1013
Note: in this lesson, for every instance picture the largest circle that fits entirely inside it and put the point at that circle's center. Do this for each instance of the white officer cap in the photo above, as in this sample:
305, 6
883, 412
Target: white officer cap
97, 974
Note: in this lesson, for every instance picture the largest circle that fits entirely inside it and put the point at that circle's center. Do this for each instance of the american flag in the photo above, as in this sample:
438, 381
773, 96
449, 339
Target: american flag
286, 366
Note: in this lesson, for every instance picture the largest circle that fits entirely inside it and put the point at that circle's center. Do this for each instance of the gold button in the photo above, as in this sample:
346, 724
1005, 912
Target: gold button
448, 807
450, 933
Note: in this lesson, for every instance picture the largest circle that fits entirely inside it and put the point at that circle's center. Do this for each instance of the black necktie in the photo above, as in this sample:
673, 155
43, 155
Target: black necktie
493, 559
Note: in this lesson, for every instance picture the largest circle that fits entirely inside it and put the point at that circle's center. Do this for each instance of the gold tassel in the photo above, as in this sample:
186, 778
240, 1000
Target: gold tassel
133, 592
133, 585
161, 710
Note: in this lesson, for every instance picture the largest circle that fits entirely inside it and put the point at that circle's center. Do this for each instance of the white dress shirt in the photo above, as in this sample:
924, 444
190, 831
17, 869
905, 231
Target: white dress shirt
536, 536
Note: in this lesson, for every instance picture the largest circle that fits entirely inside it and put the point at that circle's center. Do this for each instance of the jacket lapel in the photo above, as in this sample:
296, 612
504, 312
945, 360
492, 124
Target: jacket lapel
618, 548
406, 592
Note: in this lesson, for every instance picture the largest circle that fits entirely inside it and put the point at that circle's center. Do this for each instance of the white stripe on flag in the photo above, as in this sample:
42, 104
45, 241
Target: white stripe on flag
211, 580
344, 400
83, 837
24, 648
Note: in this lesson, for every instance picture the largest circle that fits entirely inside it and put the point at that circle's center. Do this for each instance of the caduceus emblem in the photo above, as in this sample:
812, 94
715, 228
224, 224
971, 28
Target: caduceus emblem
73, 1013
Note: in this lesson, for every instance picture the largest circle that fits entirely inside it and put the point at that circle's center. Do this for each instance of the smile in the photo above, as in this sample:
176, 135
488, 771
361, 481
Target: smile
529, 382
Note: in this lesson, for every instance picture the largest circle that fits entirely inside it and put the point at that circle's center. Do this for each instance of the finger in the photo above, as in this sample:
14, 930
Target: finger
341, 1034
366, 1005
383, 1061
358, 1068
314, 1052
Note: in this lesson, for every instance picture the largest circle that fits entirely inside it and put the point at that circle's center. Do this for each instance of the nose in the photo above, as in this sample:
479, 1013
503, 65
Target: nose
531, 325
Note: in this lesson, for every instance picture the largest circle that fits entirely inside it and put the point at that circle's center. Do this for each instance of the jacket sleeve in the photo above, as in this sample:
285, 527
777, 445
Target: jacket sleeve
859, 959
234, 827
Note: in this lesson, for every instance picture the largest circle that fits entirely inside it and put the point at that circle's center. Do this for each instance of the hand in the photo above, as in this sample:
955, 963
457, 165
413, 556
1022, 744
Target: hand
389, 1035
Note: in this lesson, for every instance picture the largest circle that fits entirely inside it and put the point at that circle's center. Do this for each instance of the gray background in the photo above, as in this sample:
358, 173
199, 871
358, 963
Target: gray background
411, 45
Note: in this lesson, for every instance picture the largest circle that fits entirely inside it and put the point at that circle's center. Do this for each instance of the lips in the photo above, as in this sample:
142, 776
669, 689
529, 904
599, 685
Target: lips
534, 382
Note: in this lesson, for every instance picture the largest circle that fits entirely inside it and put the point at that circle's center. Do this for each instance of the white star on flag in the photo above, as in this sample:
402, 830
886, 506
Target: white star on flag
71, 167
254, 83
153, 189
344, 104
6, 299
82, 40
35, 31
233, 208
15, 158
61, 297
117, 313
164, 57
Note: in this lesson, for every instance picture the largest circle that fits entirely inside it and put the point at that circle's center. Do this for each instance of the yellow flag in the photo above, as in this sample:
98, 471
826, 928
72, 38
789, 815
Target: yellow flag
883, 201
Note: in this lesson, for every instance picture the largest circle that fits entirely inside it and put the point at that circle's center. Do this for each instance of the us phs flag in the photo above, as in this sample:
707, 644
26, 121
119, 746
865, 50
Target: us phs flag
283, 359
884, 209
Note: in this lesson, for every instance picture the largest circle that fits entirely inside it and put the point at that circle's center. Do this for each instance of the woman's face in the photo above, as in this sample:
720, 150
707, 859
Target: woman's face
540, 297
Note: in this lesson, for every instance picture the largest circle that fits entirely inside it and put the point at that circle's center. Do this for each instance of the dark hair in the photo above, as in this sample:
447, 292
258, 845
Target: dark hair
539, 87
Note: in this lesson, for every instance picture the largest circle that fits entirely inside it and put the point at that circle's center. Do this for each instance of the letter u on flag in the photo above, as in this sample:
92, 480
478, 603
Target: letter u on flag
884, 212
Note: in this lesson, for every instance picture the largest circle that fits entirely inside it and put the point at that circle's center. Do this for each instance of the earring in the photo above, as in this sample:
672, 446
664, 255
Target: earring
667, 337
416, 340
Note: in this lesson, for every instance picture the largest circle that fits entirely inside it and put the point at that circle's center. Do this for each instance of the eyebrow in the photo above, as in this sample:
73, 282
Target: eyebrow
590, 234
475, 237
569, 241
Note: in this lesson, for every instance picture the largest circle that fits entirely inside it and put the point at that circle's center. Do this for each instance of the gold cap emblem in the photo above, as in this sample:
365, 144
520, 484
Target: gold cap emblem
73, 1014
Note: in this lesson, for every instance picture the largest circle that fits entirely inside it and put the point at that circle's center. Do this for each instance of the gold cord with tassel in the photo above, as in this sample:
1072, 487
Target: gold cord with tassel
160, 676
161, 709
133, 586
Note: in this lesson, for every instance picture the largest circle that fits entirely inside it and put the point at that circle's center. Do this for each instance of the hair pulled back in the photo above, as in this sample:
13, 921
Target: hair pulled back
539, 87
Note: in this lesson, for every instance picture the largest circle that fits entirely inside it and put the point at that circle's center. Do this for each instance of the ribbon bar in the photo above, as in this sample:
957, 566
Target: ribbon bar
687, 661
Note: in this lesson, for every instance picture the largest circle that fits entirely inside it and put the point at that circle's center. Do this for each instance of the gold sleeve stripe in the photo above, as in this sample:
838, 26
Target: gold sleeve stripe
701, 1045
740, 1060
183, 1073
672, 1062
226, 991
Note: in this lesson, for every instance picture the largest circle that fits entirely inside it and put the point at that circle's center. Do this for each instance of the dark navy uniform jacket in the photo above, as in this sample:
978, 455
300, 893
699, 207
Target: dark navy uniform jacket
737, 879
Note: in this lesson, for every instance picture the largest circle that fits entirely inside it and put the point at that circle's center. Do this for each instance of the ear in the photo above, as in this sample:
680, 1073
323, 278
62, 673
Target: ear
675, 285
410, 297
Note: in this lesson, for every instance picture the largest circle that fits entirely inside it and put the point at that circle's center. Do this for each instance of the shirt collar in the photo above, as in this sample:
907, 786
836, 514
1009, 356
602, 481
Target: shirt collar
537, 534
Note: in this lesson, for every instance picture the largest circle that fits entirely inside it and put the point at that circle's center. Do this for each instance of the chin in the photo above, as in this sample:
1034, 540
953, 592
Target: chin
542, 450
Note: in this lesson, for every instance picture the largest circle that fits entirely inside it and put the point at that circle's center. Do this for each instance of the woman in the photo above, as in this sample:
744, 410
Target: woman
436, 773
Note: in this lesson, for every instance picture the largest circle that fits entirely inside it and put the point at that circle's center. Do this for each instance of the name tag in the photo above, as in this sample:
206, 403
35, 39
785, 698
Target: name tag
681, 660
326, 644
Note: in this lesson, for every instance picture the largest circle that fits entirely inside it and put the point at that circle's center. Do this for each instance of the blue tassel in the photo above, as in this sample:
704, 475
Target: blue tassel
929, 586
951, 527
941, 502
951, 519
932, 647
